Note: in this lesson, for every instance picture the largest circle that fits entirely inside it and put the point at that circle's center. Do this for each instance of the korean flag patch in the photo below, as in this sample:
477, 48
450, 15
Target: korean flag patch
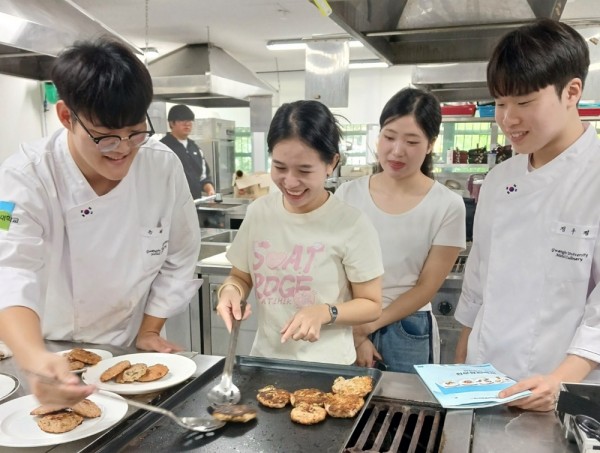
6, 210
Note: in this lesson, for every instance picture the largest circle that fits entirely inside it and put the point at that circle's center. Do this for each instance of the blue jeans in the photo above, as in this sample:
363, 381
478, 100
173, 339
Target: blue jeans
406, 342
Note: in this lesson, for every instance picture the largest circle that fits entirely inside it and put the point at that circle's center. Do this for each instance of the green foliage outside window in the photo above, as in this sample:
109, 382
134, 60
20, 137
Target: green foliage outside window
243, 149
462, 135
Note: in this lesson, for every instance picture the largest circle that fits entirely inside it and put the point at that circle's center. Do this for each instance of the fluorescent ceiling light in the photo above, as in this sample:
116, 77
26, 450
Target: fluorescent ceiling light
367, 64
300, 44
594, 66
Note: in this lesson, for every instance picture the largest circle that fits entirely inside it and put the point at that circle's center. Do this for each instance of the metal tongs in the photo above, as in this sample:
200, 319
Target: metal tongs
226, 392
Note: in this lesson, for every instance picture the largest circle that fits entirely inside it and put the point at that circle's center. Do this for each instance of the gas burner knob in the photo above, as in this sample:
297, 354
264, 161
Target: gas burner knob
445, 307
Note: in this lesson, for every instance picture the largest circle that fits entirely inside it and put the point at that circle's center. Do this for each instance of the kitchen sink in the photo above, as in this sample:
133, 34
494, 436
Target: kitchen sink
212, 206
207, 250
224, 237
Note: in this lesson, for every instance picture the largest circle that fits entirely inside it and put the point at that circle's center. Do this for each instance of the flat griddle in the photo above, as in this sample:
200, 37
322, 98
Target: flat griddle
272, 431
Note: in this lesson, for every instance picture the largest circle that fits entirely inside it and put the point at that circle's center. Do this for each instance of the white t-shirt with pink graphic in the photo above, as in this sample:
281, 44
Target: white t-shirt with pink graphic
297, 260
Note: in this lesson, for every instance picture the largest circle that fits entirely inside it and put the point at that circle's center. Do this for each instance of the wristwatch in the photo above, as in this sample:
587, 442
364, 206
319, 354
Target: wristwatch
333, 312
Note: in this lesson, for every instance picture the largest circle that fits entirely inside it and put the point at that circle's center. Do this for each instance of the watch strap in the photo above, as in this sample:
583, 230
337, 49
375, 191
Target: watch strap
333, 312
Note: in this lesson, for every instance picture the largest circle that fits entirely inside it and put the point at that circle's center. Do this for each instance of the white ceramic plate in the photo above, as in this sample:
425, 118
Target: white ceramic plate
8, 385
101, 352
19, 429
180, 368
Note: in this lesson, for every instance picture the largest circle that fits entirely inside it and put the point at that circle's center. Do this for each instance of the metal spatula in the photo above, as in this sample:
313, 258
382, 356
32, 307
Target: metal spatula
226, 392
199, 424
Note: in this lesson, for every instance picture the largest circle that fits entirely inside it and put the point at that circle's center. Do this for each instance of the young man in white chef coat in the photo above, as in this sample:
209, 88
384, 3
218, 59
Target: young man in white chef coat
530, 300
99, 236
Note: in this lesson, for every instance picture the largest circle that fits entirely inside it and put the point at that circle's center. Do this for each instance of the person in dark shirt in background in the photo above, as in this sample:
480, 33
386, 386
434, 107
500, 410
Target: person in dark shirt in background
196, 169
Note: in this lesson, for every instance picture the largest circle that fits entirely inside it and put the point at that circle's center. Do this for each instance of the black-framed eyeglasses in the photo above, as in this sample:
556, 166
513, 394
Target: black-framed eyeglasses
108, 143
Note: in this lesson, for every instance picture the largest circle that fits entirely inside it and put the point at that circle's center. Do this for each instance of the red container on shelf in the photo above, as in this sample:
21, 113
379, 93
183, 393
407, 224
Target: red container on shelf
459, 110
588, 111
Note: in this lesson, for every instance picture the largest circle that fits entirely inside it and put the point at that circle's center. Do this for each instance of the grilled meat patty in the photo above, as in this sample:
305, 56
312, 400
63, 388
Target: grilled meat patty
343, 406
234, 413
59, 422
310, 396
358, 385
272, 396
308, 414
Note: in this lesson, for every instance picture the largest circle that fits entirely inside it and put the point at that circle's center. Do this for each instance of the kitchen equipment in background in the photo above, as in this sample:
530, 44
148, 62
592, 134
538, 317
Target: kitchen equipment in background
456, 187
487, 111
452, 184
216, 139
474, 185
214, 333
350, 172
580, 402
458, 110
444, 305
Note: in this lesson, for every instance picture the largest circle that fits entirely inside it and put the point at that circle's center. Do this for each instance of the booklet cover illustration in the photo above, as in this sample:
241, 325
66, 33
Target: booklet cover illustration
460, 386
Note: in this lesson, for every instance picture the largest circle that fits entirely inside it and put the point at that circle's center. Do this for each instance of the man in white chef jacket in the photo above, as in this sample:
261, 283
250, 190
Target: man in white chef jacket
98, 233
531, 300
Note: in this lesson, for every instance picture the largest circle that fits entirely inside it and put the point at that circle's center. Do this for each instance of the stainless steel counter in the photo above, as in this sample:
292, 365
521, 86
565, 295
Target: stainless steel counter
497, 429
9, 366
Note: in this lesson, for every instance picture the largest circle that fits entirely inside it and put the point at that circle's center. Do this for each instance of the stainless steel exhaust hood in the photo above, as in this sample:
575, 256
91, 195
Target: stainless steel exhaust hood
436, 33
206, 76
33, 32
453, 82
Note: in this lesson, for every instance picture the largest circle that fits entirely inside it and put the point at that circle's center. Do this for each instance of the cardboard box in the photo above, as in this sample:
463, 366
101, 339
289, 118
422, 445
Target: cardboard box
251, 185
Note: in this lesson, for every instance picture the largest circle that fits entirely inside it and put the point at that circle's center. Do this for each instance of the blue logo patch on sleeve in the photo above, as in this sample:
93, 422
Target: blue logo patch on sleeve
6, 210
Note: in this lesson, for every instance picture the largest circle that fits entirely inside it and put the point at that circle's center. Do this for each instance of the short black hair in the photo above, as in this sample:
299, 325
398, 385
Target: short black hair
426, 110
534, 56
309, 121
103, 81
180, 112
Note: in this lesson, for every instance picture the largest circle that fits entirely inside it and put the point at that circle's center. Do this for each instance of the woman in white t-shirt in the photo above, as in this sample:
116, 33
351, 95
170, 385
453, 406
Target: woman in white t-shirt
314, 261
421, 226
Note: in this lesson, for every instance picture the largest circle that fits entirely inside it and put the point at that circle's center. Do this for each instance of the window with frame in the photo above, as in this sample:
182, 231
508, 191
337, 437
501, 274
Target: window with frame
243, 150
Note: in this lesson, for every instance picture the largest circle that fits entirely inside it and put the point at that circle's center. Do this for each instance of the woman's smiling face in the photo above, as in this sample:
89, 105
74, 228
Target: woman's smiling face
299, 172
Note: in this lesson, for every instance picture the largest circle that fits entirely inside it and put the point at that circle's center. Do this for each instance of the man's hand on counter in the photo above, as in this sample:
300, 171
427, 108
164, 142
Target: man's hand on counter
149, 339
152, 341
544, 388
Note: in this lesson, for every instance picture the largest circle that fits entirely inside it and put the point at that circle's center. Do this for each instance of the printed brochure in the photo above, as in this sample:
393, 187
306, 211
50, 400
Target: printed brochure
460, 386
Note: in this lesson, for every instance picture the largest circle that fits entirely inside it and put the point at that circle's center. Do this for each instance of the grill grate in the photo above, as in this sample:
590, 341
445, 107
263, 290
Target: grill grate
397, 426
459, 265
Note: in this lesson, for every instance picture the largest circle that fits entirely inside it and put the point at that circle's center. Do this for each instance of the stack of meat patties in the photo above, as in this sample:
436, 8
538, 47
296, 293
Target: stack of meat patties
61, 420
78, 358
311, 405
